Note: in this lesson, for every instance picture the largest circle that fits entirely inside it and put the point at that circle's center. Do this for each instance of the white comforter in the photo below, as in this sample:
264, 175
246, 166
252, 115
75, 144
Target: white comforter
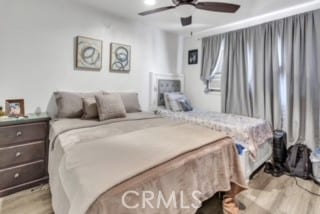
247, 131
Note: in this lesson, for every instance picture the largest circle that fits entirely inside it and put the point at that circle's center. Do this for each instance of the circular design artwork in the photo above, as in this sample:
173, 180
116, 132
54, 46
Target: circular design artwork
120, 57
89, 53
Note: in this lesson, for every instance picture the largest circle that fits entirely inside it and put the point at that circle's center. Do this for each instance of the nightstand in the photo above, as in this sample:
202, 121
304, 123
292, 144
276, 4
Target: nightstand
23, 153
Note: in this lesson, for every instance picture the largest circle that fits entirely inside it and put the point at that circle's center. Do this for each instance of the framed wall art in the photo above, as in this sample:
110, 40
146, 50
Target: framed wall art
89, 53
193, 57
120, 58
15, 108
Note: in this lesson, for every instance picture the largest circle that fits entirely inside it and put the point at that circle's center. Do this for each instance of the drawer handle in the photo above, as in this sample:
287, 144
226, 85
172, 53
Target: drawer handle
18, 154
19, 133
17, 175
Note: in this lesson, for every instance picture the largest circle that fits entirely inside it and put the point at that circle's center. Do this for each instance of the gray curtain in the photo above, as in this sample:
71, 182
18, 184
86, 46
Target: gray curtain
272, 71
211, 50
301, 54
251, 73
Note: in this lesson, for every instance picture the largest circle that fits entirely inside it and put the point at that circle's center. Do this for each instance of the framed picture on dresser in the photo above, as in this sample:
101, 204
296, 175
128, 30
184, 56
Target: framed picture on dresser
15, 107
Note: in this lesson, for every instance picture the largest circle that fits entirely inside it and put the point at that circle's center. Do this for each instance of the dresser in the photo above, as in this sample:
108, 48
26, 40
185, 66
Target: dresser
23, 153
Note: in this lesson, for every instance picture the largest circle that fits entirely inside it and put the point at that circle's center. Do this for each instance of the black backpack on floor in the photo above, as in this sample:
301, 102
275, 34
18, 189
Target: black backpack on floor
298, 161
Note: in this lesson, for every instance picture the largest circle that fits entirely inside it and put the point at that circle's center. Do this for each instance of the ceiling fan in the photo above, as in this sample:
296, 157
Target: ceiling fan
185, 9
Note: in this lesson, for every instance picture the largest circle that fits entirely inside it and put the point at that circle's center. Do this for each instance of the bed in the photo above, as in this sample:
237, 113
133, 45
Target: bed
254, 135
93, 164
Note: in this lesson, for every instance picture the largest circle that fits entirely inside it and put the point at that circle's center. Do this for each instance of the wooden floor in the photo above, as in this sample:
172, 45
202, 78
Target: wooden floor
266, 195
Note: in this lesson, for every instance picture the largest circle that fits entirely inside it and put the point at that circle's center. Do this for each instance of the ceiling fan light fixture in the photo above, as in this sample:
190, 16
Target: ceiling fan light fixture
150, 2
185, 10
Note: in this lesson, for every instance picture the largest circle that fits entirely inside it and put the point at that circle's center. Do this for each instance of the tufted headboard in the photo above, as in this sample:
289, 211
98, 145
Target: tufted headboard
165, 86
161, 83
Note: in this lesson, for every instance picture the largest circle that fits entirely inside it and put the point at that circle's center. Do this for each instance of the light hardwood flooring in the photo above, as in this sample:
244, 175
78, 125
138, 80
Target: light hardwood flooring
270, 195
266, 195
33, 201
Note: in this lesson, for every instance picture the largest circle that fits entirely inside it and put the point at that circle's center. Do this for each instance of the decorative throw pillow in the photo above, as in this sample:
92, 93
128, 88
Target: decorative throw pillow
175, 99
70, 104
172, 100
90, 110
130, 101
166, 102
110, 106
185, 104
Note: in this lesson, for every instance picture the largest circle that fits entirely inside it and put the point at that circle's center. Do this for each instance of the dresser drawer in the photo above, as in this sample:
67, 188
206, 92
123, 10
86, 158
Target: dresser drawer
16, 155
22, 174
23, 133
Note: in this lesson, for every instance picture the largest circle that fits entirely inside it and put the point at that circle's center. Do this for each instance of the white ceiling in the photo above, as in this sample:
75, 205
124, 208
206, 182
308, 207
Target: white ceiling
201, 19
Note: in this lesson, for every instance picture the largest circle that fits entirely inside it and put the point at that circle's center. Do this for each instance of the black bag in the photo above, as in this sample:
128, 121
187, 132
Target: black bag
298, 161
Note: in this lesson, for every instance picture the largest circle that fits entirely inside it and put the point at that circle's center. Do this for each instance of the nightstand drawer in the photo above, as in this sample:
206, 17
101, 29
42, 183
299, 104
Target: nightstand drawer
23, 133
16, 155
22, 174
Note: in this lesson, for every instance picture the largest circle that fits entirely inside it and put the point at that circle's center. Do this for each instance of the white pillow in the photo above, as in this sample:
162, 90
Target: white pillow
173, 100
166, 101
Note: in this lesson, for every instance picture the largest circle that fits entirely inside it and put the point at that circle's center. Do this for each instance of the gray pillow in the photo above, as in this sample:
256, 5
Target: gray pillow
90, 110
110, 106
166, 102
185, 104
172, 100
130, 101
70, 104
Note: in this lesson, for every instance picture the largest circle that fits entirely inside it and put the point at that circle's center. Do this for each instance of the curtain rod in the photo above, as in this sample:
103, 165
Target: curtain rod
276, 15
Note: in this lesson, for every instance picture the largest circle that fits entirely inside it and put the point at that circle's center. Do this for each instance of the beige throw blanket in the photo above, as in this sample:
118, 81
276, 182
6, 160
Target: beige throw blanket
90, 169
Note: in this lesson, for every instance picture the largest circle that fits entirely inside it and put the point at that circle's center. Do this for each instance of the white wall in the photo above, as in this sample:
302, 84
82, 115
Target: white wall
37, 51
194, 87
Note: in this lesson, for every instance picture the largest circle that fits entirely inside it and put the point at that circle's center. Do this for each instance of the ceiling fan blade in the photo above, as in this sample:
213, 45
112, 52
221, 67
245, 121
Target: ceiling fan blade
156, 10
218, 7
186, 21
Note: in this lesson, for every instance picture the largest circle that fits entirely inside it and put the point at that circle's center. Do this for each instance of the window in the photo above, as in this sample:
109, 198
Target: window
214, 84
283, 84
